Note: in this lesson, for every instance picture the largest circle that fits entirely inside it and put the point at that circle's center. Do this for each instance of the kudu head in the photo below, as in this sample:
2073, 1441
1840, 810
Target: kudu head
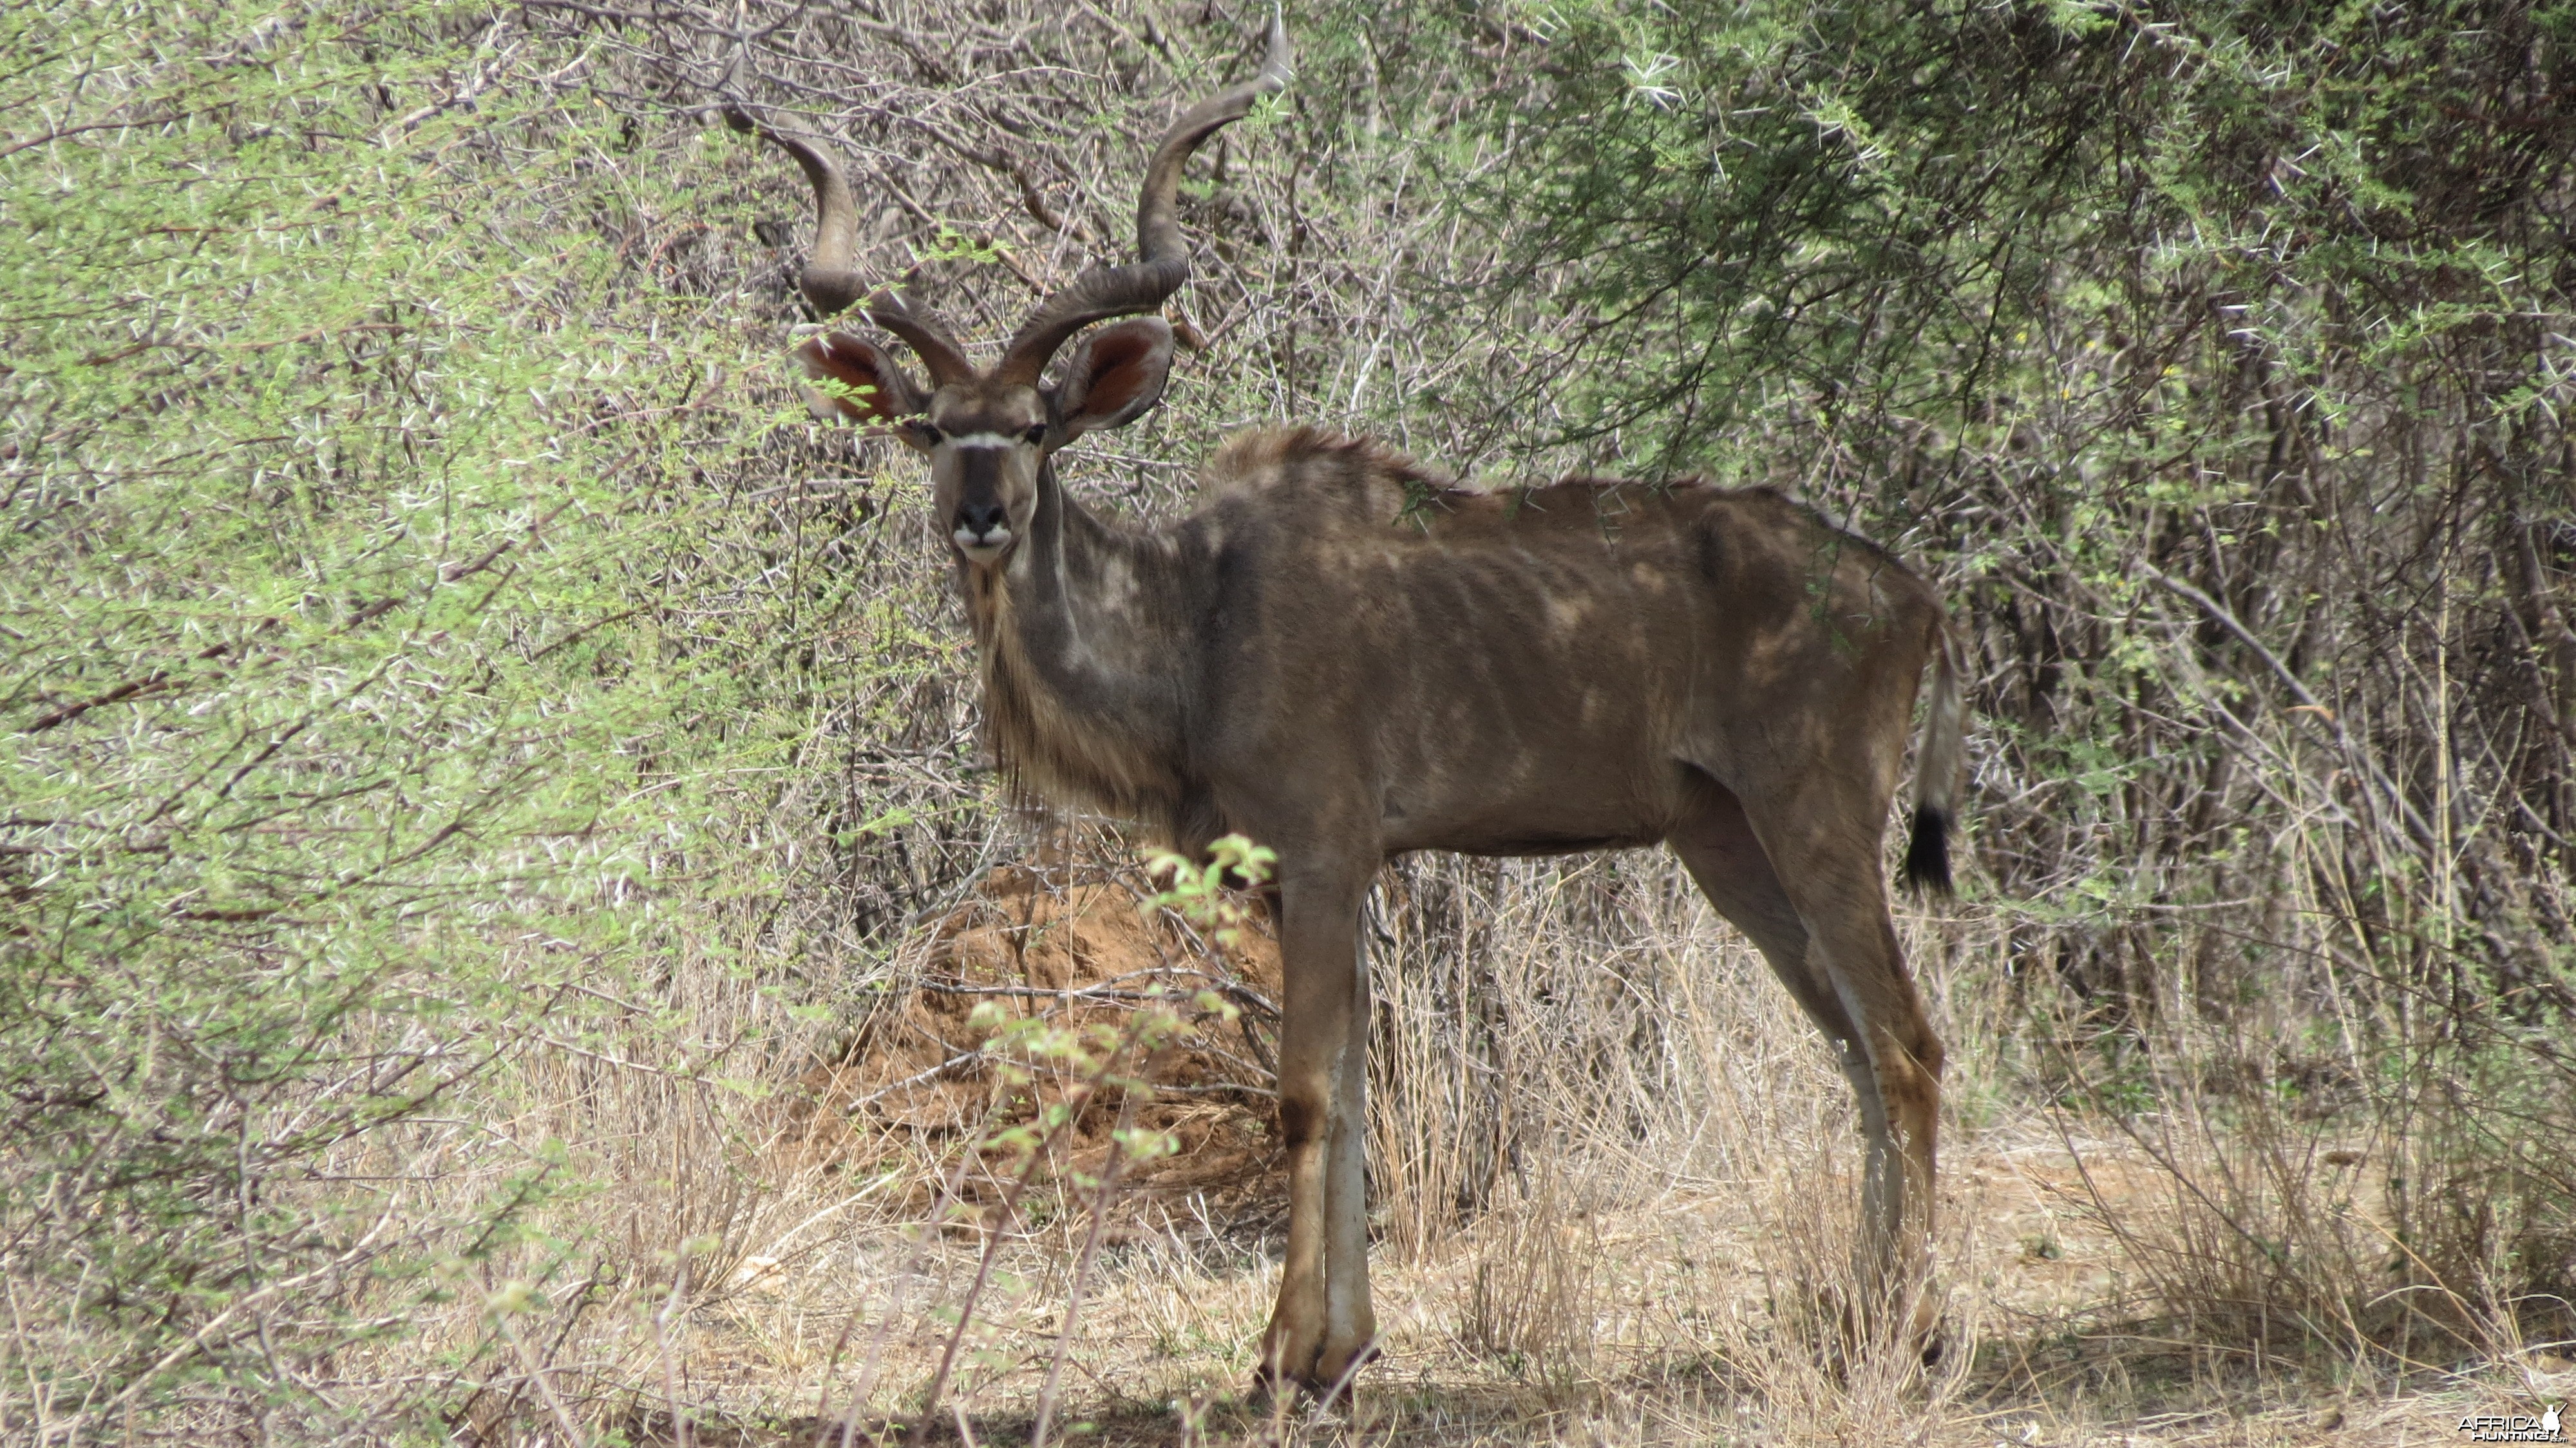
989, 432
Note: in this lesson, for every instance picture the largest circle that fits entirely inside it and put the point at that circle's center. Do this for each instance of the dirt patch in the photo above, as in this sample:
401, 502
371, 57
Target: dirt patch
1083, 948
2038, 1208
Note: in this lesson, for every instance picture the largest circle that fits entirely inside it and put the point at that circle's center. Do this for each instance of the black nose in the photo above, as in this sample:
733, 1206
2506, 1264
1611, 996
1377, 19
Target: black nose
979, 519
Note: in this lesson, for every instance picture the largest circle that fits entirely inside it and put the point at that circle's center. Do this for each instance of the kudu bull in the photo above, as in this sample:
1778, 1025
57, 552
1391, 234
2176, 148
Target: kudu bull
1346, 657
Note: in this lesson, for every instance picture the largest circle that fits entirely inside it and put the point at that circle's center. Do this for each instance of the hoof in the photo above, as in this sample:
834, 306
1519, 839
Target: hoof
1337, 1384
1266, 1396
1273, 1384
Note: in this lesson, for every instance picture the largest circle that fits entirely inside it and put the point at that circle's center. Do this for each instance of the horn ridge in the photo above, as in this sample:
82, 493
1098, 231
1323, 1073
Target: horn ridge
830, 281
1163, 258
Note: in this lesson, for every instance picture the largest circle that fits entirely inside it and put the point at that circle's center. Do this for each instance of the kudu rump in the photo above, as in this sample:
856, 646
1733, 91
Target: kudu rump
1345, 657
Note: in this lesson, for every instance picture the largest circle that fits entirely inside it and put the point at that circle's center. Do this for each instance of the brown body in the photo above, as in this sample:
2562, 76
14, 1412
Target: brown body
1345, 658
1341, 658
1507, 673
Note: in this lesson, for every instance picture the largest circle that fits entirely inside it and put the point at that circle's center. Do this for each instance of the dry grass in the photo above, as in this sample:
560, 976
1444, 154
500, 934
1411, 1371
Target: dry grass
1673, 1271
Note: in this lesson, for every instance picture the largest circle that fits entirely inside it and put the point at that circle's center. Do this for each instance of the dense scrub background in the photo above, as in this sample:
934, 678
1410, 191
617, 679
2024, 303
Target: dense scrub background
468, 743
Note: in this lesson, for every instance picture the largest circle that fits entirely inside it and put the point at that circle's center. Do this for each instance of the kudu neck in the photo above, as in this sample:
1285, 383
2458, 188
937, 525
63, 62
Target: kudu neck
1082, 638
1090, 578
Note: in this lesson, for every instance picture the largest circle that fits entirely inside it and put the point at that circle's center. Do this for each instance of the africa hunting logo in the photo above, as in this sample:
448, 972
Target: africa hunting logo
2514, 1427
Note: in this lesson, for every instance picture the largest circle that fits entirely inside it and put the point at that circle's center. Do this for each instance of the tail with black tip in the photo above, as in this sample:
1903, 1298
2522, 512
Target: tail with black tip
1938, 756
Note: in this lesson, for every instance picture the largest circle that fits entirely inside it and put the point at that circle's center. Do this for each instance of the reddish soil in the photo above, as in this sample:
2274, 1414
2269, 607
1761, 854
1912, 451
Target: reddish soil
1075, 946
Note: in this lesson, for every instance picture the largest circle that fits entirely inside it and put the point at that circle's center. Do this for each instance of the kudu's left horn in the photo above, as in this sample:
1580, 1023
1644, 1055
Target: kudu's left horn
831, 280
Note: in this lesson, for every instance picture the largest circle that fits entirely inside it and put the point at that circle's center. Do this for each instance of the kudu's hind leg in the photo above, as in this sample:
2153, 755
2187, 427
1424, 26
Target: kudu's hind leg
1719, 849
1846, 972
1835, 880
1322, 1322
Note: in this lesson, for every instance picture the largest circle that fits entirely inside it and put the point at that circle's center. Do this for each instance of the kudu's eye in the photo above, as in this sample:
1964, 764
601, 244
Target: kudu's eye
929, 435
1036, 434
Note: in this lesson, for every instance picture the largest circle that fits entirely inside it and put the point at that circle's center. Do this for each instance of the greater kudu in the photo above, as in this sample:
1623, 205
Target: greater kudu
1346, 657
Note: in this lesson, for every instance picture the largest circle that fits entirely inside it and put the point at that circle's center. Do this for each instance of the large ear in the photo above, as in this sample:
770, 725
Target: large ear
854, 378
1115, 375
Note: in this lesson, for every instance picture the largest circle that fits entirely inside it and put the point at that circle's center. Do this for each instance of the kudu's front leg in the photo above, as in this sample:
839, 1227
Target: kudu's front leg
1322, 1323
